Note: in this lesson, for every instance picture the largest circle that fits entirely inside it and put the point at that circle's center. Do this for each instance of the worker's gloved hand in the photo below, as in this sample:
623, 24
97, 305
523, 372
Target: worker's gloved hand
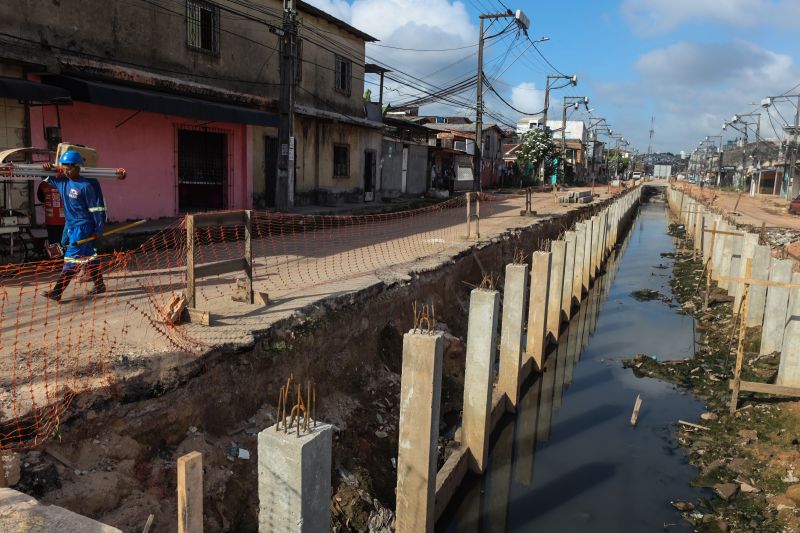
47, 166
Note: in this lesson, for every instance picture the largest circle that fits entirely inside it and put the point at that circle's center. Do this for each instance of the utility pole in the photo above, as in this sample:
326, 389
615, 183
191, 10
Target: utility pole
284, 189
649, 143
477, 163
793, 187
524, 23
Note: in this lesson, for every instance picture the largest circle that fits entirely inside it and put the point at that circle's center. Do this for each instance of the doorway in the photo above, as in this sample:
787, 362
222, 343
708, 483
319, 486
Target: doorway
369, 175
404, 182
270, 169
202, 170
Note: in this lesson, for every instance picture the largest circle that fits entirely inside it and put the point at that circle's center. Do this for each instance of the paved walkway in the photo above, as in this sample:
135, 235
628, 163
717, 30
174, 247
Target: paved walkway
47, 348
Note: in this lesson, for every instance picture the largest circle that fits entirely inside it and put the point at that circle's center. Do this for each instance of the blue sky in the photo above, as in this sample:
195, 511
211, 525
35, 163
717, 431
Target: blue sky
691, 63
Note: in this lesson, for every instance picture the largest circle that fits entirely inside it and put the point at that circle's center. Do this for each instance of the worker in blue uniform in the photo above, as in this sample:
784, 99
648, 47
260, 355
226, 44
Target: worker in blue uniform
85, 214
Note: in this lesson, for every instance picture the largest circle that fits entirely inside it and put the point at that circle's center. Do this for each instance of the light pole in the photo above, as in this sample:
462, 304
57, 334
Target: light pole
719, 156
739, 119
524, 23
792, 185
567, 81
573, 102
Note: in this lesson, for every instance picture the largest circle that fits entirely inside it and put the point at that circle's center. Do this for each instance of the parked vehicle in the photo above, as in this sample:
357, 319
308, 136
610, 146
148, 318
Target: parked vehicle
794, 206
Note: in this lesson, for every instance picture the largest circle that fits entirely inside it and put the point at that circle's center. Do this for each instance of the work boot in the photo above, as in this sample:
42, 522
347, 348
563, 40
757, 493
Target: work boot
61, 284
97, 277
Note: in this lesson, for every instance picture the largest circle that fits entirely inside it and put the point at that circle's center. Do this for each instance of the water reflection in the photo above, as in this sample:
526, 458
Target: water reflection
569, 460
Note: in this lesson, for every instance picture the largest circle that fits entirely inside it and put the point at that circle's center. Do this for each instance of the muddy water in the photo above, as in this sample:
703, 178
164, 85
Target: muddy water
570, 461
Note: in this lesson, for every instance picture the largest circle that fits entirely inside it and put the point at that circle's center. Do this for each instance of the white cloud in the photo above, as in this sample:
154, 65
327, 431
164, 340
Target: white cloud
422, 24
527, 97
662, 16
693, 87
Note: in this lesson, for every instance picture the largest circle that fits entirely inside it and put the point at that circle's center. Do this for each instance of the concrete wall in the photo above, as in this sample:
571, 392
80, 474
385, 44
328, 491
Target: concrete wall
146, 146
154, 37
13, 134
391, 171
314, 180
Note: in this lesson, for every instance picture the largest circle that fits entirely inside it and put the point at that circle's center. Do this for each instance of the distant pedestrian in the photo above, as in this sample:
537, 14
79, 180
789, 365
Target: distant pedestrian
702, 183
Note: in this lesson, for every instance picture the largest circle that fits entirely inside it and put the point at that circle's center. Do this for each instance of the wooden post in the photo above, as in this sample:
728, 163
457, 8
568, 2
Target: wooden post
710, 264
763, 236
736, 206
248, 254
477, 216
190, 493
469, 215
737, 372
190, 288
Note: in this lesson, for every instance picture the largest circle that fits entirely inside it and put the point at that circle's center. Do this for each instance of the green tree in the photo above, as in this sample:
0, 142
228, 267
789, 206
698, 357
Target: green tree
617, 163
537, 148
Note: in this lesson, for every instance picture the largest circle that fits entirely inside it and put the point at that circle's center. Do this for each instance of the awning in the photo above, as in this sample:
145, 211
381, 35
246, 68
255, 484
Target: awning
112, 95
31, 91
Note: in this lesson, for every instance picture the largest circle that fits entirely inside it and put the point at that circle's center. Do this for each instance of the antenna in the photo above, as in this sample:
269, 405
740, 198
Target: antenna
650, 142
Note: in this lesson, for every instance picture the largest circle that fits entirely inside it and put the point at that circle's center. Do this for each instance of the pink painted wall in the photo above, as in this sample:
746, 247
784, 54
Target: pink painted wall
146, 147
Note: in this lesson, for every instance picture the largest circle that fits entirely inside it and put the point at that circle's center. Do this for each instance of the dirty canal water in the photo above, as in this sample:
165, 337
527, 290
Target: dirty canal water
570, 461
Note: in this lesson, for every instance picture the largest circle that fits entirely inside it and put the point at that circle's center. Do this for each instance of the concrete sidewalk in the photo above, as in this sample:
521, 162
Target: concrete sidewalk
76, 344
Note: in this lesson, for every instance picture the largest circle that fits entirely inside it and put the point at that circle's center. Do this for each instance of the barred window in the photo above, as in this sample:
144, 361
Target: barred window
344, 68
202, 26
341, 161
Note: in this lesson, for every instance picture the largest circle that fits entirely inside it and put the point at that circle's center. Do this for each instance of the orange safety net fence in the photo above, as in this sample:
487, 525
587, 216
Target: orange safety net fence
51, 352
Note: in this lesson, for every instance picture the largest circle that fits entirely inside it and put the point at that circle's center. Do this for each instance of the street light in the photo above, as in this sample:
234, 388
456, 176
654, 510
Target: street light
574, 102
793, 185
524, 23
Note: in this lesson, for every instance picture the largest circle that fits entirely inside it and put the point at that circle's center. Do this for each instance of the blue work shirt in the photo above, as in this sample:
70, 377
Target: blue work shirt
83, 203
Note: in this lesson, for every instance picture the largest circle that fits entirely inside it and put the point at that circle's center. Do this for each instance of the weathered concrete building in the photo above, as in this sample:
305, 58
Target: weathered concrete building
184, 95
455, 150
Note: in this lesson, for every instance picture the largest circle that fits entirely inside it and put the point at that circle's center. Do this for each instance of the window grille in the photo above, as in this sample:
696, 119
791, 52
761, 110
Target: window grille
202, 26
341, 161
344, 69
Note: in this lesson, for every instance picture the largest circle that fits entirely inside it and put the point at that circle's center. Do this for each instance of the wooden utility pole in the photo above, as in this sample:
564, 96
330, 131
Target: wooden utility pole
284, 189
476, 171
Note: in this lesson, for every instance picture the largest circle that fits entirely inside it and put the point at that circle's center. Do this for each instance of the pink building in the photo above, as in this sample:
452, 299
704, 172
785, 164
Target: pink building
175, 164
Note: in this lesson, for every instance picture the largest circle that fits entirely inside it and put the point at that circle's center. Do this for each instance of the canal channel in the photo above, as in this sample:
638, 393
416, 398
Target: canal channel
570, 460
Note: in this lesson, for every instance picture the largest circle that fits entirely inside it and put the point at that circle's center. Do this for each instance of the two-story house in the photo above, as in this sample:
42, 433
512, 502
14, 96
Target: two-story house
184, 96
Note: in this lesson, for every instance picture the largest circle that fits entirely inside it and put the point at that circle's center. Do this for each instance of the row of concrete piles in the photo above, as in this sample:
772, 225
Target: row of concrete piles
553, 285
775, 309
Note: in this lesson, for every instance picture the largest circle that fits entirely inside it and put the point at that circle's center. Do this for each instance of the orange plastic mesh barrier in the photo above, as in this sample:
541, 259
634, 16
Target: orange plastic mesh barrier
51, 352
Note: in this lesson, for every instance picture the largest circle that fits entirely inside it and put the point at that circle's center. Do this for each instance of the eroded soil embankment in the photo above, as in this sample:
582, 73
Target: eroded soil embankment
751, 459
116, 460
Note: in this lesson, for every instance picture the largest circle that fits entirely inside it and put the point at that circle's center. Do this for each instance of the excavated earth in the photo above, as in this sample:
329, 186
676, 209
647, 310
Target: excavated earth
113, 457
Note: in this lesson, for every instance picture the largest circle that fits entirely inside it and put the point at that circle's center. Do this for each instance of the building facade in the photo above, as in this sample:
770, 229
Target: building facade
184, 95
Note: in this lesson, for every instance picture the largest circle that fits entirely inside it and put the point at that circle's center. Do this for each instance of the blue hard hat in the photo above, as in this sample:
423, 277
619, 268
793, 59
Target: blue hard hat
71, 157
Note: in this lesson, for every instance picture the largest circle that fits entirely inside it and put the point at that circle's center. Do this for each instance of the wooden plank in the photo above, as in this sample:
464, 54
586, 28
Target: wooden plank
223, 218
636, 407
148, 524
196, 316
190, 274
220, 267
761, 282
723, 232
737, 373
767, 388
190, 493
695, 426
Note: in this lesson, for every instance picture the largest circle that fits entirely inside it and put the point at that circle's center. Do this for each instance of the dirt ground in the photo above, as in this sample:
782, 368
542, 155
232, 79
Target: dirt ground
113, 457
750, 459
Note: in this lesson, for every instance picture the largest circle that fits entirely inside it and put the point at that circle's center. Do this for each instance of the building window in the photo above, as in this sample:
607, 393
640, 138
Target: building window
344, 69
341, 161
202, 26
